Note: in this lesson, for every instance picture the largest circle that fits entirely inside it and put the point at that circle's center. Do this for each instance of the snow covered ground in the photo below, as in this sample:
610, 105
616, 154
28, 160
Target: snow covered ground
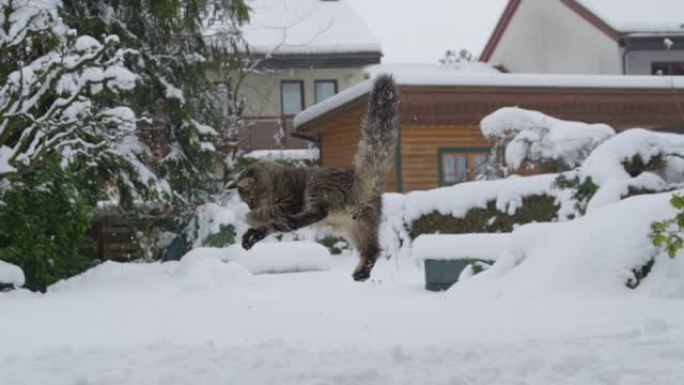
144, 327
204, 321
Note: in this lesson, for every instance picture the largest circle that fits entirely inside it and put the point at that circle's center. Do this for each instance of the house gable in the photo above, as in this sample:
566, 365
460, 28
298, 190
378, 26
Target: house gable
542, 36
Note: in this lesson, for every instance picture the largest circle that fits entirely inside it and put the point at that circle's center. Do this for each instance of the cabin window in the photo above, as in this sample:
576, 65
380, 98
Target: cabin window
461, 164
324, 89
292, 96
667, 68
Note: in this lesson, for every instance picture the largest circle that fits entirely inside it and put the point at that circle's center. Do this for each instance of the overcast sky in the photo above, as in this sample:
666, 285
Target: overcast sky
420, 31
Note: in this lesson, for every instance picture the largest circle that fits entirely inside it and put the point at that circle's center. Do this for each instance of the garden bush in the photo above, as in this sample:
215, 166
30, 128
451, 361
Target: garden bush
535, 208
45, 227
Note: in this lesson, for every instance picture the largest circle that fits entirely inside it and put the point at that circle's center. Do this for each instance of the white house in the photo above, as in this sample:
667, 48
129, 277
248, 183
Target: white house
631, 37
304, 52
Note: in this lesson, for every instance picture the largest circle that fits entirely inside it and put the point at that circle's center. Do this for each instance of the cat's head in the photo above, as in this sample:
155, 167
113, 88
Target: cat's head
251, 184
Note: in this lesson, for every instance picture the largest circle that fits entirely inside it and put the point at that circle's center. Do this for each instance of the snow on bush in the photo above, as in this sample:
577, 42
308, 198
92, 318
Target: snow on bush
531, 136
11, 275
655, 158
598, 254
507, 193
210, 217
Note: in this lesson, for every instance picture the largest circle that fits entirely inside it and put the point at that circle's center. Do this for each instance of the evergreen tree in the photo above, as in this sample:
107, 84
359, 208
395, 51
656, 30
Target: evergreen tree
175, 99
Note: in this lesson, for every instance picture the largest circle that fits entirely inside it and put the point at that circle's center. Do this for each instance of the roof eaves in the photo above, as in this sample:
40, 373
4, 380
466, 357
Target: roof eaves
498, 32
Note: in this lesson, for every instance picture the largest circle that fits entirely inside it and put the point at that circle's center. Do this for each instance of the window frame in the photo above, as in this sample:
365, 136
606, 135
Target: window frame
282, 94
441, 151
316, 82
669, 65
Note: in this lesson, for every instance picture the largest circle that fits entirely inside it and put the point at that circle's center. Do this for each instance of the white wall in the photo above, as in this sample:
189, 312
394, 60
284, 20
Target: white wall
545, 36
262, 91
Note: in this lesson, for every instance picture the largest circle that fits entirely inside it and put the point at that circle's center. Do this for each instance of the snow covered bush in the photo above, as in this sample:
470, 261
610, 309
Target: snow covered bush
534, 208
488, 206
636, 161
524, 138
45, 227
606, 252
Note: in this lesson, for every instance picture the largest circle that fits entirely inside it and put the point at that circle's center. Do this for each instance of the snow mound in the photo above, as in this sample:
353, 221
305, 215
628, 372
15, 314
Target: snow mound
111, 275
532, 136
11, 274
461, 246
204, 269
595, 255
280, 257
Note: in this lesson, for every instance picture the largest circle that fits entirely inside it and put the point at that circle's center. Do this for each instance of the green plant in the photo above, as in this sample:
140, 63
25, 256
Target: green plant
335, 244
636, 164
45, 226
224, 237
477, 266
584, 189
668, 233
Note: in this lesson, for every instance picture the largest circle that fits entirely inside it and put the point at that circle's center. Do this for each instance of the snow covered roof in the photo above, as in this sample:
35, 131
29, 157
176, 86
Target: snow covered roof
306, 27
421, 68
307, 154
454, 79
639, 15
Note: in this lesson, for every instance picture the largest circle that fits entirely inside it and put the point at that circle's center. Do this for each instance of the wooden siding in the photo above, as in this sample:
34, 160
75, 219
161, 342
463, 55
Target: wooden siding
420, 150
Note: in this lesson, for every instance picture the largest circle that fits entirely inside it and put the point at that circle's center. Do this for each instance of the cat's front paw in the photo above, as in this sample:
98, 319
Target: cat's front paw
251, 237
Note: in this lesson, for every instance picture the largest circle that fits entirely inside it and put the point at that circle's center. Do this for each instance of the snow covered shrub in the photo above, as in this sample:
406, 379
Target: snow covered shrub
216, 224
634, 162
524, 138
534, 208
45, 225
668, 233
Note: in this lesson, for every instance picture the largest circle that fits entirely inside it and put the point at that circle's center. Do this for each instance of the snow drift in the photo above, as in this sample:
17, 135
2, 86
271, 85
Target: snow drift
595, 255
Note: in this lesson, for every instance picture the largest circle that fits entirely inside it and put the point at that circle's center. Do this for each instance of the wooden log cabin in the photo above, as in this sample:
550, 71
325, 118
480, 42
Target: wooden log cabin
440, 139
